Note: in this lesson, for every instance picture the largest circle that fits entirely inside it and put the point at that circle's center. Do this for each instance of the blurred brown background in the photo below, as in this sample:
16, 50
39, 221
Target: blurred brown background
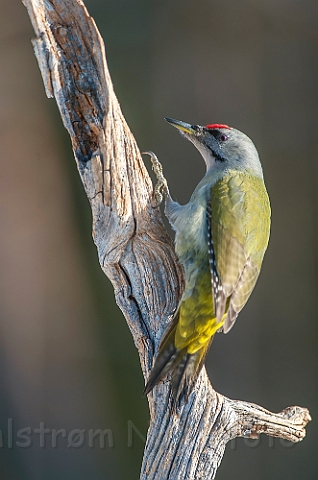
66, 355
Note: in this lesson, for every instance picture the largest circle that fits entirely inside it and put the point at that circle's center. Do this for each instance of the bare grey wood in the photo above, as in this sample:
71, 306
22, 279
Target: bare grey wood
134, 249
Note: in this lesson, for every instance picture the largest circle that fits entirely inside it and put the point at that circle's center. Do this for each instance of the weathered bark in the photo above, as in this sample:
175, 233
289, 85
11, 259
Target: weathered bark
134, 249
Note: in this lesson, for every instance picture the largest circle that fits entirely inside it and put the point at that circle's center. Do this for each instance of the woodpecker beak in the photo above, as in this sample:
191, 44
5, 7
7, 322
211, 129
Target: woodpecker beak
184, 127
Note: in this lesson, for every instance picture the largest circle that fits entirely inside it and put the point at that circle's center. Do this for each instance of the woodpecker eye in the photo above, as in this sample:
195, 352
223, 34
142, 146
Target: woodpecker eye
223, 137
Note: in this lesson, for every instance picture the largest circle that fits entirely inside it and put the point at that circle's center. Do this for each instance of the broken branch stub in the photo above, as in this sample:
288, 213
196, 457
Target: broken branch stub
134, 249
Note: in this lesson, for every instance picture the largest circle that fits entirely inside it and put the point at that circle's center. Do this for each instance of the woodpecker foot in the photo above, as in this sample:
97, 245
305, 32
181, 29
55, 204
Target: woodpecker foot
161, 187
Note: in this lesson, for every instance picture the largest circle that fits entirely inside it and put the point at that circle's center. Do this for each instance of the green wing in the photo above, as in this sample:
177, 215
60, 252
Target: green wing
240, 225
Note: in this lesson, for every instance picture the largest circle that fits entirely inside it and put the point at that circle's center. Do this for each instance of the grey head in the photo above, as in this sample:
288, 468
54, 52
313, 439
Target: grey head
222, 147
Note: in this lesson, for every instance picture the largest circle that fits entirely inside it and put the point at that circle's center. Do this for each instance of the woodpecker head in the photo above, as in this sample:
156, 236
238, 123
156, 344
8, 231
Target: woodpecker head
222, 147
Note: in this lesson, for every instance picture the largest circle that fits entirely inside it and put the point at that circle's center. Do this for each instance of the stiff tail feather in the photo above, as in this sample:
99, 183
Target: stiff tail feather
186, 373
184, 368
168, 357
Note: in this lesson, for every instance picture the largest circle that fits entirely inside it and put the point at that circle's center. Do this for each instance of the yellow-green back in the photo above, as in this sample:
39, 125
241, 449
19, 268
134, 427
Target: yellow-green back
240, 233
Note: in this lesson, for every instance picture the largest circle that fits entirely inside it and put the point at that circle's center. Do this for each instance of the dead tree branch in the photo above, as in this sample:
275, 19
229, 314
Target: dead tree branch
134, 249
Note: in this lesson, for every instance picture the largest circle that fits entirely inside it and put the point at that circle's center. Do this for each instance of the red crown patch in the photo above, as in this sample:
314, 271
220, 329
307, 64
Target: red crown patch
217, 125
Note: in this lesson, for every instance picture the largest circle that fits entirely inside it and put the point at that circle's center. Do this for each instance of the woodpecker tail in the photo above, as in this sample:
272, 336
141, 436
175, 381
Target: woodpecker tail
184, 368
